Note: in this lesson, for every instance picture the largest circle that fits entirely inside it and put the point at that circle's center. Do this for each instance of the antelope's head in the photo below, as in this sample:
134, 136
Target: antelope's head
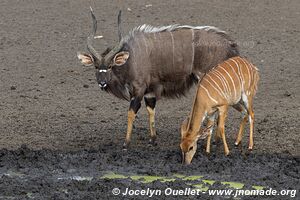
105, 62
189, 140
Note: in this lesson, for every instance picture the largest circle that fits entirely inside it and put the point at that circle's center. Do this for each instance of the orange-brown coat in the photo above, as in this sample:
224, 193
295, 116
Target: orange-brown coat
231, 83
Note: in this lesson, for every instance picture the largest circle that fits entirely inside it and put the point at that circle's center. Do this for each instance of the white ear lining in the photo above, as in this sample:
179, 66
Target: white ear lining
85, 58
124, 58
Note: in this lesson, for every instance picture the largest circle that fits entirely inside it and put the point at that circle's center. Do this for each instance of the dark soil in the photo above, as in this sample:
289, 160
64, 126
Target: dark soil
55, 123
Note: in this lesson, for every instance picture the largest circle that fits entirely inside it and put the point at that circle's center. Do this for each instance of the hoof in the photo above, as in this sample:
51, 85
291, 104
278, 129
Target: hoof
226, 153
216, 141
250, 148
152, 142
248, 153
125, 146
238, 145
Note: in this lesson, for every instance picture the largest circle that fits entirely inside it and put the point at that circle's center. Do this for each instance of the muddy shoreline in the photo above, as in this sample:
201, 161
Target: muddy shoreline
56, 124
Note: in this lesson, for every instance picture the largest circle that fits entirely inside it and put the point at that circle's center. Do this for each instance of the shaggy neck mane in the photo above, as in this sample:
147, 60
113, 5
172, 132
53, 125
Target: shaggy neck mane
145, 28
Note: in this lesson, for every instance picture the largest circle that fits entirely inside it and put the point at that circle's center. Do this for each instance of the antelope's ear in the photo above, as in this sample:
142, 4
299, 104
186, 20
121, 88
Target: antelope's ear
184, 124
121, 58
184, 127
204, 133
85, 59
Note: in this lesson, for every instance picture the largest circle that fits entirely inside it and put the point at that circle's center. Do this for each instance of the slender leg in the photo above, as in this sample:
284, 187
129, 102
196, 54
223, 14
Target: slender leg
135, 105
150, 105
208, 143
240, 108
251, 121
210, 122
217, 134
241, 130
222, 118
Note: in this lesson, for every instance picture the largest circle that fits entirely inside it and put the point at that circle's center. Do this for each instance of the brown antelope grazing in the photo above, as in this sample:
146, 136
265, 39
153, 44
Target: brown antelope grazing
154, 62
231, 83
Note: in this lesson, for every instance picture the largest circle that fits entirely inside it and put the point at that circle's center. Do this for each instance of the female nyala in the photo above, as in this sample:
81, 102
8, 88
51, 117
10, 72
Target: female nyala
231, 83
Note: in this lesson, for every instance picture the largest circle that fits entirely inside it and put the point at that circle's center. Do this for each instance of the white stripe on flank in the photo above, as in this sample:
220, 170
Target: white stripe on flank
254, 71
240, 75
235, 74
144, 39
133, 56
193, 47
138, 44
217, 89
249, 80
253, 68
248, 65
154, 36
225, 82
158, 43
173, 47
208, 94
221, 67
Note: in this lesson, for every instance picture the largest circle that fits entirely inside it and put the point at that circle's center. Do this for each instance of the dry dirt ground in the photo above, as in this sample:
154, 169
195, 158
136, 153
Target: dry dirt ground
55, 122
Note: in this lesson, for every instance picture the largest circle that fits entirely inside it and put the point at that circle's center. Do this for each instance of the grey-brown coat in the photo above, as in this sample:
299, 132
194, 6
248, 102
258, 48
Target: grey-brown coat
154, 62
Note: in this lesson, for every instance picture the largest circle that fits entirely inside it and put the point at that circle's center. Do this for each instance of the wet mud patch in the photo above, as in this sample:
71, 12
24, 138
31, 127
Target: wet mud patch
49, 102
92, 173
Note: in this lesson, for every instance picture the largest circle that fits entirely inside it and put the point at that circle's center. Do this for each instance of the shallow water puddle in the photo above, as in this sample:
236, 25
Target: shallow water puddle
196, 181
188, 179
84, 178
77, 178
13, 174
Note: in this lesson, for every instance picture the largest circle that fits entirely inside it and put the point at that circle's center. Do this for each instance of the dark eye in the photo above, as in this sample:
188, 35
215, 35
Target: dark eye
191, 148
96, 66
